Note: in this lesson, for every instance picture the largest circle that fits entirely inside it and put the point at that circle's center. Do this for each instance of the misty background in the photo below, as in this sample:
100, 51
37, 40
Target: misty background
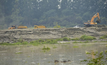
67, 13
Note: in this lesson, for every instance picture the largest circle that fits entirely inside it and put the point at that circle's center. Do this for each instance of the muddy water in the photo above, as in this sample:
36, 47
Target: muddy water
64, 54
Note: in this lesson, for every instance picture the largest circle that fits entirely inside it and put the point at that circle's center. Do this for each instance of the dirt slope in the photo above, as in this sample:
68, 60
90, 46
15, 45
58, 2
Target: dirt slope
49, 33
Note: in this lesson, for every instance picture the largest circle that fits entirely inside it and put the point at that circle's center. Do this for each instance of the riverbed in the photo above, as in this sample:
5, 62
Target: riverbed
57, 54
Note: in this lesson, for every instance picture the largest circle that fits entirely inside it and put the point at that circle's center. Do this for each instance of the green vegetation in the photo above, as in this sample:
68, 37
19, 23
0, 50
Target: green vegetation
75, 39
17, 43
54, 47
81, 42
75, 46
28, 13
40, 41
48, 41
45, 49
82, 39
76, 42
103, 37
21, 43
66, 39
56, 25
106, 45
18, 52
96, 58
67, 43
103, 41
85, 37
35, 43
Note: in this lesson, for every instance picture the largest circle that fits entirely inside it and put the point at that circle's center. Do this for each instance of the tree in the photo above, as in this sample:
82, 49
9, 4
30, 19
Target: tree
56, 25
44, 12
16, 16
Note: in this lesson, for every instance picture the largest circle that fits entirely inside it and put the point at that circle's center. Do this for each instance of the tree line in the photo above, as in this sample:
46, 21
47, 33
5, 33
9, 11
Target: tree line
66, 13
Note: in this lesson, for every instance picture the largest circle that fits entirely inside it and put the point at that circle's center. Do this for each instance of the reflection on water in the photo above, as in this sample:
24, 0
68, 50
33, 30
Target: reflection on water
59, 54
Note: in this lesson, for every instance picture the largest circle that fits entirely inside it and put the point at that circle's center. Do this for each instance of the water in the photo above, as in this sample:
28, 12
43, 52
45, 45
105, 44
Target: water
34, 55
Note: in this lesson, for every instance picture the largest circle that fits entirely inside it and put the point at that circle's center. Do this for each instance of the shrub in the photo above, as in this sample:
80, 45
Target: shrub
45, 48
96, 58
56, 25
85, 37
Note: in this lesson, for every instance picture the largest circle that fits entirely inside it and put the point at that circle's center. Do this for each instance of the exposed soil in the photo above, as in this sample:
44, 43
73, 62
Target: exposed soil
13, 35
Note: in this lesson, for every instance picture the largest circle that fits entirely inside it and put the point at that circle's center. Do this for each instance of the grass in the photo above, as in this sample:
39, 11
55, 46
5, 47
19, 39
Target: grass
75, 39
18, 52
81, 42
35, 43
54, 47
75, 46
76, 42
103, 37
45, 49
86, 37
40, 41
17, 43
103, 41
67, 43
82, 39
66, 39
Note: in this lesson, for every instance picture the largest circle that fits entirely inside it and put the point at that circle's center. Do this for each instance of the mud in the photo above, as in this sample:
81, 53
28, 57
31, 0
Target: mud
59, 54
11, 36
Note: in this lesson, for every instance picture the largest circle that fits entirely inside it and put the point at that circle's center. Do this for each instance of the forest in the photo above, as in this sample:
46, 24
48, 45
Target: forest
66, 13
